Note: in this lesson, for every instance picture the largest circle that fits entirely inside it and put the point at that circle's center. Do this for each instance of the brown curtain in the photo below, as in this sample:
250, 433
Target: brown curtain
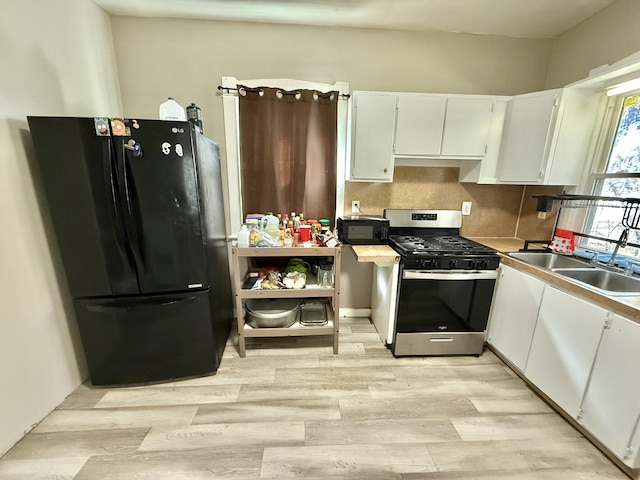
288, 143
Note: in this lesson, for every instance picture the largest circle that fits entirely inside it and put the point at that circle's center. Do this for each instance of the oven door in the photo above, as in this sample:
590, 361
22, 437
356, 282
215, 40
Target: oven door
443, 312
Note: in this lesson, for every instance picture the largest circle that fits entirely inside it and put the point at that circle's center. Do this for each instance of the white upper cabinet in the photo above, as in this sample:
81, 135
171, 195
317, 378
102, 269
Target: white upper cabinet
546, 137
442, 126
373, 133
420, 124
466, 127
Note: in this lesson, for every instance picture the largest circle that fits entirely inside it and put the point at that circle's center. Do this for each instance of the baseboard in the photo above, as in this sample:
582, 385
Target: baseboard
355, 312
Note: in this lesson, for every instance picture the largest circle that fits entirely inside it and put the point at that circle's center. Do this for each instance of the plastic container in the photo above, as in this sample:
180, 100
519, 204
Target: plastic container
325, 275
243, 237
269, 223
305, 233
171, 110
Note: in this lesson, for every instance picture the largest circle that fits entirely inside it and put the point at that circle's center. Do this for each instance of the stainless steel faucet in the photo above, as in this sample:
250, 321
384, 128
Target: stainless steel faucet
622, 242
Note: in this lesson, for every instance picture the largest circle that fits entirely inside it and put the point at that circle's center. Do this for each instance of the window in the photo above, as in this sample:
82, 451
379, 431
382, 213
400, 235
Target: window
288, 150
618, 176
231, 153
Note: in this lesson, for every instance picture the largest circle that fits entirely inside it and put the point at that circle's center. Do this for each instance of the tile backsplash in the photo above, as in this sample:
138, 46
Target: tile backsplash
497, 210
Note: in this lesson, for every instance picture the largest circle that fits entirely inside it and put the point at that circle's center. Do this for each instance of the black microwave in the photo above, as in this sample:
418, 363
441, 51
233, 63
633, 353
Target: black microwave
363, 229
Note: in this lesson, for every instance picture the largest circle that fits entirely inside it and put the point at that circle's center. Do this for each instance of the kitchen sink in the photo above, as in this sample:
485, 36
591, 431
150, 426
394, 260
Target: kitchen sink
603, 281
550, 260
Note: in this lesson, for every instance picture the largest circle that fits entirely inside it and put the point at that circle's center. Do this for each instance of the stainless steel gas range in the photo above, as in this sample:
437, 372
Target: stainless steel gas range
445, 284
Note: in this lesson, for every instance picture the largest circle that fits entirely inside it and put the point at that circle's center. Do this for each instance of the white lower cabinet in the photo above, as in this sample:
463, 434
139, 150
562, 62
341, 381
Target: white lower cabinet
514, 313
582, 356
564, 347
611, 406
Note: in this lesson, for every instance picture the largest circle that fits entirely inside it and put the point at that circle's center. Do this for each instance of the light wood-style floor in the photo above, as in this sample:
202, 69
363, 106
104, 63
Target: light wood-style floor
292, 409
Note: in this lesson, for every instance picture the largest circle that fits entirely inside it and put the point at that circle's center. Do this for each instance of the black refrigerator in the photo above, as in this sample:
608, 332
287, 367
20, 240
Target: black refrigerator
138, 214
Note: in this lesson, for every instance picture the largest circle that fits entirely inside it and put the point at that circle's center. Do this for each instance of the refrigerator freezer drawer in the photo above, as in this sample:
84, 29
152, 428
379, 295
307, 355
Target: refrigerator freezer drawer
144, 339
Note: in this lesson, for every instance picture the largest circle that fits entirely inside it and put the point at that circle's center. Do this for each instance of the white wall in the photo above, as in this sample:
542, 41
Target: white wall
605, 38
186, 58
57, 59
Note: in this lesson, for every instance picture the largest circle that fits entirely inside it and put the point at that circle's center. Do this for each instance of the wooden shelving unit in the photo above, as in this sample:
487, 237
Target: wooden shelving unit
241, 272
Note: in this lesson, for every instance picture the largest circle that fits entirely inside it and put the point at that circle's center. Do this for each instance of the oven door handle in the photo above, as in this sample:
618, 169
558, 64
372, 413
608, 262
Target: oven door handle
454, 275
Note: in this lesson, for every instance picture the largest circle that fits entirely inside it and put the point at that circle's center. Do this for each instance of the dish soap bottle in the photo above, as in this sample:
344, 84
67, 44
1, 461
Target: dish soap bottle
243, 237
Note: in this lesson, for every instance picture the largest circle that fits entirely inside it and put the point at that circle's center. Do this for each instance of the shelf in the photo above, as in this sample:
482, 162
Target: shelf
289, 293
286, 251
243, 280
631, 206
295, 330
311, 289
546, 203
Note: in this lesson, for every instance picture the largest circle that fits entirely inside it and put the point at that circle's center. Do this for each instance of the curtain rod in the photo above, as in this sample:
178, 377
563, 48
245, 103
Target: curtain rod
231, 89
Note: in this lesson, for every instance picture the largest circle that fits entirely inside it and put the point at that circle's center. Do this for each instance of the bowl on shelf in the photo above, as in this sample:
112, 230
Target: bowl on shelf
272, 312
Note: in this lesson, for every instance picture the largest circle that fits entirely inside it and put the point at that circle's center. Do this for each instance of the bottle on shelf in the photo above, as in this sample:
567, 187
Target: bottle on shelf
269, 223
254, 235
243, 236
288, 235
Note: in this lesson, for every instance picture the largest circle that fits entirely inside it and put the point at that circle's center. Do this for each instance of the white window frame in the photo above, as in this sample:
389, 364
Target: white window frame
609, 126
232, 140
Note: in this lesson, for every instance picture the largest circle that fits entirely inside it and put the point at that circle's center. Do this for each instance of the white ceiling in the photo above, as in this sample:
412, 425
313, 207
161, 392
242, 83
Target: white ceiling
513, 18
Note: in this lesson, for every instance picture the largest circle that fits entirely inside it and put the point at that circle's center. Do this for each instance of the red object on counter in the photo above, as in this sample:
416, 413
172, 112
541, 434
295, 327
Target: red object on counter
305, 233
563, 241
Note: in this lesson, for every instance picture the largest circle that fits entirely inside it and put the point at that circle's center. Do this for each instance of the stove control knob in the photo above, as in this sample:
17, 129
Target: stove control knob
452, 264
426, 263
481, 265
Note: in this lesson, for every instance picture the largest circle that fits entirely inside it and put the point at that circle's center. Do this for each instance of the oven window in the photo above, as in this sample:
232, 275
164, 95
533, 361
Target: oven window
444, 305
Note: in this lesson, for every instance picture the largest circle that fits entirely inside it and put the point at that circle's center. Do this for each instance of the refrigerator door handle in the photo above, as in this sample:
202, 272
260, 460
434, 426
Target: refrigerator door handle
110, 172
138, 304
128, 191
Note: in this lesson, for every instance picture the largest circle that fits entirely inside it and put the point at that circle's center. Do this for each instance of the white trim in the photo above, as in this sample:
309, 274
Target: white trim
355, 312
230, 114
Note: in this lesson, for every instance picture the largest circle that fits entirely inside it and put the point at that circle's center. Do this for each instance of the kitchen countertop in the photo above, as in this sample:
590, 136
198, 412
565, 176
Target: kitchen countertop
502, 244
629, 306
375, 253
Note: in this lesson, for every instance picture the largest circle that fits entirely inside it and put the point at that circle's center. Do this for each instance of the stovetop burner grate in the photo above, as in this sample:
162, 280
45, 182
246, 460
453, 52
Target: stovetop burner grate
436, 244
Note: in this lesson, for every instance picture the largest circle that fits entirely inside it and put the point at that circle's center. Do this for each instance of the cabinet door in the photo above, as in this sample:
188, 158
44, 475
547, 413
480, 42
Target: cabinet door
466, 126
374, 129
574, 128
420, 124
611, 405
564, 347
513, 314
527, 137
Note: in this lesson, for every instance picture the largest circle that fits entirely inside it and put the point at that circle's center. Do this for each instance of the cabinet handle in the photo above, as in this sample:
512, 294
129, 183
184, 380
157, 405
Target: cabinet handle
385, 170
